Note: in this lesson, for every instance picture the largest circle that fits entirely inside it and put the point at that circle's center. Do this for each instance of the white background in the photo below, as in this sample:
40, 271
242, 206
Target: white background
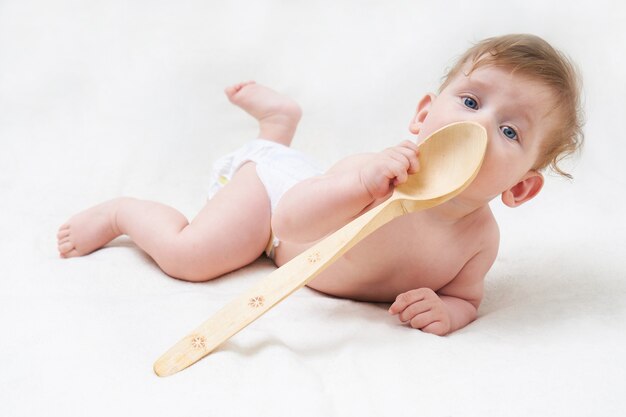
107, 98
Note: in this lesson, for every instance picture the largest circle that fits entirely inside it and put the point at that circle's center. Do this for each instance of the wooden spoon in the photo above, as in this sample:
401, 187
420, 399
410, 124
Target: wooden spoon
449, 161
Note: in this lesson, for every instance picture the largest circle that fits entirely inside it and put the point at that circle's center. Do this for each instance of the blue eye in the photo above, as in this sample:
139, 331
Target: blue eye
470, 102
509, 132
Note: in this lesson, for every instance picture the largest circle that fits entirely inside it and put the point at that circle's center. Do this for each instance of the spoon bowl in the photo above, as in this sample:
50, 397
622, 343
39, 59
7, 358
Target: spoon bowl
450, 159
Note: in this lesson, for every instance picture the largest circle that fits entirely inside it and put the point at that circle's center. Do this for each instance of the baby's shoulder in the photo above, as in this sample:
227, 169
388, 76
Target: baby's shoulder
482, 234
488, 226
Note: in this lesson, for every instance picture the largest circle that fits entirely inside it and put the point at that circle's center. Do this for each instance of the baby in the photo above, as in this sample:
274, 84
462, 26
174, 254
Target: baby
431, 264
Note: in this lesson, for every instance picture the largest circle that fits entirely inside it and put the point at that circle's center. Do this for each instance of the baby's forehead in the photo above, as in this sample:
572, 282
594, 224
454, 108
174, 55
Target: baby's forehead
514, 85
492, 73
516, 92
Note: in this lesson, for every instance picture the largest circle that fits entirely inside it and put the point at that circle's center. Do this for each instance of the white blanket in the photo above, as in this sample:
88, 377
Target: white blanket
104, 98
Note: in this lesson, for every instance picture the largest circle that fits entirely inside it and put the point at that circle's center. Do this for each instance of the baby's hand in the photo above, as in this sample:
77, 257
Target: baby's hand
424, 310
390, 168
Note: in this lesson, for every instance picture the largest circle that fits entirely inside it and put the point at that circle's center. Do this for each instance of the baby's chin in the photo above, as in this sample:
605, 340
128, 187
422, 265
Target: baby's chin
477, 194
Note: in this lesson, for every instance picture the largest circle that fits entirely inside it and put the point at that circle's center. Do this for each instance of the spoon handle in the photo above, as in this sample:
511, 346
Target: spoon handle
278, 285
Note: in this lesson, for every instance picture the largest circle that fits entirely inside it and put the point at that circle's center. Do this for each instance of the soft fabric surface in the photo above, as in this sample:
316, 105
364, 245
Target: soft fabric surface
107, 98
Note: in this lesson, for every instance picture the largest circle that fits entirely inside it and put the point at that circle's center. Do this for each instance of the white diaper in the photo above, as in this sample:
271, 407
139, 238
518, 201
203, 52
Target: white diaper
279, 168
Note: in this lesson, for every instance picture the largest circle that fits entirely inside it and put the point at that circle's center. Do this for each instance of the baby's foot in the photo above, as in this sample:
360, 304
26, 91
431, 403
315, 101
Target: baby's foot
89, 230
278, 115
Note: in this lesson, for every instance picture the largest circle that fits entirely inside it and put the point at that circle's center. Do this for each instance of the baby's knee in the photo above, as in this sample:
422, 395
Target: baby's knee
187, 272
194, 276
187, 263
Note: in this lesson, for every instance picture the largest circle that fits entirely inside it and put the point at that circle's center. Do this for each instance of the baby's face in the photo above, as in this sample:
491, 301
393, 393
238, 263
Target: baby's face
514, 111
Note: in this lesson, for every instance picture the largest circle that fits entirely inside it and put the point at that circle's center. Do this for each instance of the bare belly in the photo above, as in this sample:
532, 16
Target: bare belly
405, 254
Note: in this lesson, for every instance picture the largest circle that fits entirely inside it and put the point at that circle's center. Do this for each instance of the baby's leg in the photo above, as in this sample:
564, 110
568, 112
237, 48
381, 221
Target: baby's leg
278, 115
230, 232
232, 229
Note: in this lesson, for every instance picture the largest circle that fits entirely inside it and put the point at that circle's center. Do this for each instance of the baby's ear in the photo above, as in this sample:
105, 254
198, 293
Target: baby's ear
420, 114
526, 189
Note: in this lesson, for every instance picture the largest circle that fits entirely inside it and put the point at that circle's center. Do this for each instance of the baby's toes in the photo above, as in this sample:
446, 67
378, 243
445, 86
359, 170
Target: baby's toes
64, 232
70, 254
231, 91
245, 84
65, 246
234, 89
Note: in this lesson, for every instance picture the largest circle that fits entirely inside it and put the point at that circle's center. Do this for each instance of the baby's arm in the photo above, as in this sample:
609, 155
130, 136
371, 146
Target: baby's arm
320, 205
452, 307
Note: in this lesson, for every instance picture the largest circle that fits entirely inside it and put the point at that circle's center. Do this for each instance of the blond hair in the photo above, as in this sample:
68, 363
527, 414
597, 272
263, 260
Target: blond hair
531, 56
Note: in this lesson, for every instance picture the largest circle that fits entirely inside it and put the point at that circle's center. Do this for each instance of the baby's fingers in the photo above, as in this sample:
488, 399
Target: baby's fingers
422, 309
422, 320
418, 308
410, 145
399, 173
409, 150
406, 299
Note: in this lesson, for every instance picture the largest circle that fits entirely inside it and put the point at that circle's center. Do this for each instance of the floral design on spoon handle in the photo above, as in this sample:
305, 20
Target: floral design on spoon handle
256, 302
